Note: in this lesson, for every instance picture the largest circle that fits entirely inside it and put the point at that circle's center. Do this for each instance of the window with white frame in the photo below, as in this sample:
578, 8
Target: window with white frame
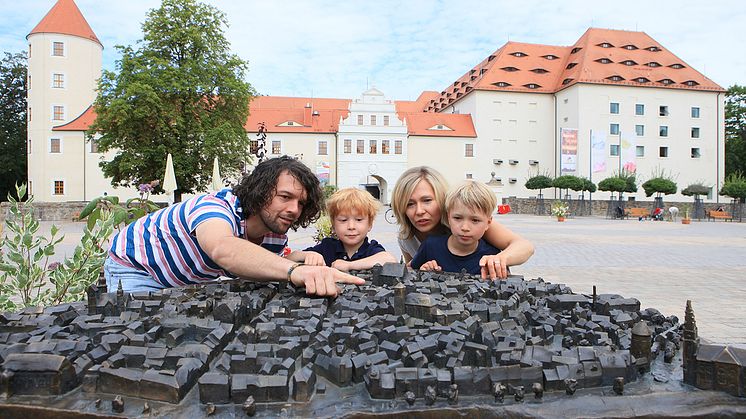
468, 150
640, 130
373, 146
397, 146
55, 145
360, 120
360, 147
640, 151
639, 109
348, 146
58, 113
662, 151
614, 107
695, 112
614, 129
385, 146
663, 110
322, 148
385, 120
58, 80
58, 49
372, 119
469, 176
613, 150
276, 147
663, 131
695, 132
695, 153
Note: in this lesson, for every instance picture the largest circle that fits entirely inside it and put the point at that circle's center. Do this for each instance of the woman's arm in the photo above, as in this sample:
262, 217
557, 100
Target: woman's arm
515, 250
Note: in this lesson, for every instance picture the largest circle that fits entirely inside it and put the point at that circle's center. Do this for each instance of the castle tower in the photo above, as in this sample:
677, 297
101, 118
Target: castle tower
690, 344
641, 344
63, 68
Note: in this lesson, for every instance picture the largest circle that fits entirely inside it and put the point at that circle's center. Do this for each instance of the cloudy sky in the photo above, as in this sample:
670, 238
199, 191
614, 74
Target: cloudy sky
330, 48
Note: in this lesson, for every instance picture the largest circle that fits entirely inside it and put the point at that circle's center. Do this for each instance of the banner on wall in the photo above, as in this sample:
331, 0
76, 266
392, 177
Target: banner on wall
322, 172
568, 150
598, 151
628, 152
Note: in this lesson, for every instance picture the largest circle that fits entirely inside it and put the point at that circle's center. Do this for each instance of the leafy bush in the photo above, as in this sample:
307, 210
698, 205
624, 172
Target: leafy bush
696, 189
612, 184
27, 278
734, 187
588, 185
568, 182
539, 182
108, 207
659, 186
323, 228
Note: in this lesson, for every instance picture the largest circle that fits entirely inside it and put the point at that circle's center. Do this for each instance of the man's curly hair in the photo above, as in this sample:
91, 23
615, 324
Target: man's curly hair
256, 190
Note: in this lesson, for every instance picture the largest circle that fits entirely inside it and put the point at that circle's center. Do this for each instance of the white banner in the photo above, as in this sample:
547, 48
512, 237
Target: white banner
598, 151
628, 152
568, 150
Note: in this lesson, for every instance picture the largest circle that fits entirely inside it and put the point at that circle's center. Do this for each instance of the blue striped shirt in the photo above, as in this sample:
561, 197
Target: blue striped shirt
164, 245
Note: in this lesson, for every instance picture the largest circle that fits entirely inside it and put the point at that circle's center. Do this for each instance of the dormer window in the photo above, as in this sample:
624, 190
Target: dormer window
571, 65
473, 78
490, 58
566, 81
440, 127
691, 83
653, 64
630, 47
666, 81
629, 62
615, 78
642, 80
653, 49
677, 66
539, 71
604, 61
482, 71
519, 54
605, 45
576, 49
502, 84
532, 86
550, 57
509, 69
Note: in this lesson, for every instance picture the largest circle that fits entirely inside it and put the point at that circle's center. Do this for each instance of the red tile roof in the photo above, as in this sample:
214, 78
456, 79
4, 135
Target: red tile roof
65, 18
325, 114
81, 123
600, 56
420, 124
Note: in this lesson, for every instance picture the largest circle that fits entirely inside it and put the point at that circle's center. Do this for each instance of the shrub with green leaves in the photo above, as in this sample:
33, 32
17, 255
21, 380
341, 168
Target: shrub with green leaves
659, 185
696, 189
539, 182
109, 207
27, 277
323, 228
734, 187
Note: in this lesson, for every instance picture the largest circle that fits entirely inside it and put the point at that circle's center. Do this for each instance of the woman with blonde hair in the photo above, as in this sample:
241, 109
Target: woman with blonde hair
418, 202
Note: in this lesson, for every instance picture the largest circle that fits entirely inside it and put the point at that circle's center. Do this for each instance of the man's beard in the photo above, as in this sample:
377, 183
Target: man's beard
273, 224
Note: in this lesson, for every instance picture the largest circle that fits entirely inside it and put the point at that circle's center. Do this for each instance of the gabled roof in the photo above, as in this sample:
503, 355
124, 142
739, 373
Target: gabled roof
600, 56
65, 18
420, 124
81, 123
276, 110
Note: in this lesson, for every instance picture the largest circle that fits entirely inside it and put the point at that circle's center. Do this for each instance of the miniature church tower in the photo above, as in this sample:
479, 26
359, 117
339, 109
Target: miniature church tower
64, 64
690, 344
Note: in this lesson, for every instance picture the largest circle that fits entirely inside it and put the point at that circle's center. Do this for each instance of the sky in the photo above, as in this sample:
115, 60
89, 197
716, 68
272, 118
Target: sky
337, 49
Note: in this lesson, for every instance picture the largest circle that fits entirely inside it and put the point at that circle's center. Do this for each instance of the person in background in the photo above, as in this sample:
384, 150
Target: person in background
418, 202
352, 212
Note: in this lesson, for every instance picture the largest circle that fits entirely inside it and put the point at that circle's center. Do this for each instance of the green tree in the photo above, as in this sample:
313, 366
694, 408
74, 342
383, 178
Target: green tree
568, 182
539, 182
735, 187
13, 122
735, 130
178, 91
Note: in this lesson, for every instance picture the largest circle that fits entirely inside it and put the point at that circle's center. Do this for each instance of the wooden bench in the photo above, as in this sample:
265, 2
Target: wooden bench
719, 215
637, 212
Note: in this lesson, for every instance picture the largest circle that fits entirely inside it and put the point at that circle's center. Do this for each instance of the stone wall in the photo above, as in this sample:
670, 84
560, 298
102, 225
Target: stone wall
600, 207
50, 211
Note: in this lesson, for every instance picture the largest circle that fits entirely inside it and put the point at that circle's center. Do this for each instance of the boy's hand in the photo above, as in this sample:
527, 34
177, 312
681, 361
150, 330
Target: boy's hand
314, 259
341, 265
494, 266
431, 266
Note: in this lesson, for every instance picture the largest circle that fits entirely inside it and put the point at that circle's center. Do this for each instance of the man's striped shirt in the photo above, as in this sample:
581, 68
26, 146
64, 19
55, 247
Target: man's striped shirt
164, 245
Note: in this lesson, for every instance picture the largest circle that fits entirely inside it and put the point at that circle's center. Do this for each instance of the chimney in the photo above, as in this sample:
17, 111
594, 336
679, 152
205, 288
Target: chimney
307, 115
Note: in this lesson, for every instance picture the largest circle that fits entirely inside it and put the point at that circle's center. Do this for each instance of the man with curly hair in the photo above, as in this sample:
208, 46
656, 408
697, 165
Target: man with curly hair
237, 233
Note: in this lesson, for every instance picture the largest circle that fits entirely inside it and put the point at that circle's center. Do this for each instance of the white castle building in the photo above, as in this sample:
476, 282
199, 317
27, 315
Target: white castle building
614, 99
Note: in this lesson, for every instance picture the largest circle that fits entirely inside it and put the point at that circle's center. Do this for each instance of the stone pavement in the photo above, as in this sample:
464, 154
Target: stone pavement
660, 263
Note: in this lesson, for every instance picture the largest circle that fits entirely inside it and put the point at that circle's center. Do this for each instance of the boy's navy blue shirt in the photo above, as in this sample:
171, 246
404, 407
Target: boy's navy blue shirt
332, 249
436, 248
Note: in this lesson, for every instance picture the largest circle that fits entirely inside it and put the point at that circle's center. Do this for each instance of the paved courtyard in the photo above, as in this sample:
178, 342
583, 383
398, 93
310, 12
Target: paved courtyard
660, 263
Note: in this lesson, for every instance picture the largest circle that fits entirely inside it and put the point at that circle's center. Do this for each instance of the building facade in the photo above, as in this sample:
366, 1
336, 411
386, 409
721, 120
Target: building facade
613, 100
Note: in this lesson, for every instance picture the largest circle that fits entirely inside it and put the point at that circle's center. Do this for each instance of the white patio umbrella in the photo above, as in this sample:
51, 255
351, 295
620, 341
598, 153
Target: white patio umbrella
169, 180
217, 182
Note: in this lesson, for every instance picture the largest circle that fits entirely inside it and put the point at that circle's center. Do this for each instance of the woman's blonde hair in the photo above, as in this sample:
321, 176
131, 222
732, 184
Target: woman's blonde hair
351, 200
404, 188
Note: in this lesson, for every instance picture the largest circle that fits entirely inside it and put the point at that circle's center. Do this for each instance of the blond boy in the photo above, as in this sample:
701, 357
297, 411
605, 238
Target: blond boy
352, 212
469, 210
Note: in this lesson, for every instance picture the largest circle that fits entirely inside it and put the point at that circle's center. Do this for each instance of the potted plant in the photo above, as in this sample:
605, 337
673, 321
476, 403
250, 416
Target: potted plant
685, 219
559, 209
